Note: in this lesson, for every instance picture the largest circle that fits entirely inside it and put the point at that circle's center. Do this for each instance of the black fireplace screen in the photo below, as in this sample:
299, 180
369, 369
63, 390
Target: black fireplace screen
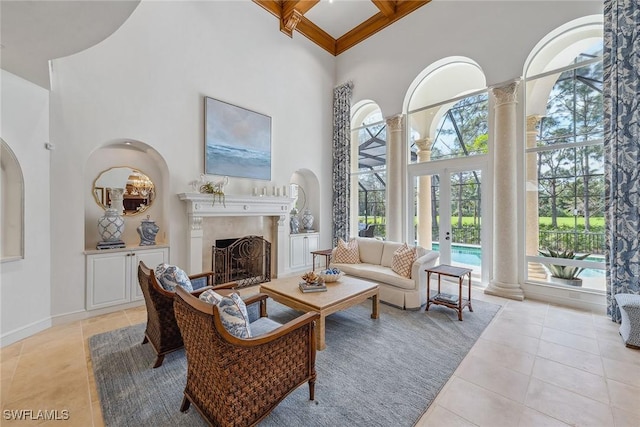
246, 261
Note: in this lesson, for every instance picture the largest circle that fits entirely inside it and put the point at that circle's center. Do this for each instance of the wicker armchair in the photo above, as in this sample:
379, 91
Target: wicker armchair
237, 382
162, 331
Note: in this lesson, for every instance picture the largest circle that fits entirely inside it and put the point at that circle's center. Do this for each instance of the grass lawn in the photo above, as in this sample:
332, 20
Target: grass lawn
563, 222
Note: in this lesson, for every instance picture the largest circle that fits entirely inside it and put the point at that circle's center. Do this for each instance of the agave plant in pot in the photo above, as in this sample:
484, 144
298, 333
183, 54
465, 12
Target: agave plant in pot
563, 274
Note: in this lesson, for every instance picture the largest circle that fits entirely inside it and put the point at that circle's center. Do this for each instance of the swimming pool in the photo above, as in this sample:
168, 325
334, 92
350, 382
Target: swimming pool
472, 255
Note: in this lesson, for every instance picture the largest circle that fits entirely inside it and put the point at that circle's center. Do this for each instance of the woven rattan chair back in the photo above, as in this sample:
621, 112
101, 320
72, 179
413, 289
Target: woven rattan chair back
162, 330
237, 382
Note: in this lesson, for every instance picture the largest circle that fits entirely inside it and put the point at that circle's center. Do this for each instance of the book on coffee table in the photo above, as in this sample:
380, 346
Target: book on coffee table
448, 298
312, 287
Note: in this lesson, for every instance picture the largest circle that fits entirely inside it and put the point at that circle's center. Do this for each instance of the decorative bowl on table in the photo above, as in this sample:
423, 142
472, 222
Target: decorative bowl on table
331, 275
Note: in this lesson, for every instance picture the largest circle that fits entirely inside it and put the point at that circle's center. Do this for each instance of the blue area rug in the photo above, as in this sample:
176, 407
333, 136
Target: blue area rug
383, 372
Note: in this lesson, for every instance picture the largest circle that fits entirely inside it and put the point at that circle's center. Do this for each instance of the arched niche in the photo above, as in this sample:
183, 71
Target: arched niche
130, 155
309, 189
12, 198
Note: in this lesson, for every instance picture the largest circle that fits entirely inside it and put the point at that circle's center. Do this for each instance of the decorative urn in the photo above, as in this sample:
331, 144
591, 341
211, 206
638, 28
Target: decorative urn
307, 220
147, 231
110, 228
294, 222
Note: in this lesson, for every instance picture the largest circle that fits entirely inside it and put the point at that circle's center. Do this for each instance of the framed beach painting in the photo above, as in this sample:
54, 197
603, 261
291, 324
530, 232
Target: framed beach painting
237, 141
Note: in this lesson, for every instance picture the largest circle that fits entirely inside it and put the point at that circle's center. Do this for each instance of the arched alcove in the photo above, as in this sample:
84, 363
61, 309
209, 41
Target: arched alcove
139, 156
12, 197
309, 193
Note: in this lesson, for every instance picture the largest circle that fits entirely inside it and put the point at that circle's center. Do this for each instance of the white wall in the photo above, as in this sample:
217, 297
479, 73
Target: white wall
498, 35
147, 82
25, 288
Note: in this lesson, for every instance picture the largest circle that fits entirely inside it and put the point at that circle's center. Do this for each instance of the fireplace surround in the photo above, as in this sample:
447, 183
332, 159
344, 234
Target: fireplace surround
201, 206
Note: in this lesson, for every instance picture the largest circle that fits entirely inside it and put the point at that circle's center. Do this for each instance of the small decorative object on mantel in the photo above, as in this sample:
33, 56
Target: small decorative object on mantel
307, 220
110, 228
215, 188
147, 231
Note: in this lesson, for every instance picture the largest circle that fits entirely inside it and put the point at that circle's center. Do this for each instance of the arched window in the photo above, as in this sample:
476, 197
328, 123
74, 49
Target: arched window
447, 110
12, 197
565, 159
369, 165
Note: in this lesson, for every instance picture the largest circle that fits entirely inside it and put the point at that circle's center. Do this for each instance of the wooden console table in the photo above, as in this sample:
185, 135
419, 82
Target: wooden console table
449, 300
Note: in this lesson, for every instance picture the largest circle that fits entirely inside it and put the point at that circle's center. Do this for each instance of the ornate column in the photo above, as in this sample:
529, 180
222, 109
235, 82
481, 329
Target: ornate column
194, 249
504, 282
424, 196
536, 271
395, 187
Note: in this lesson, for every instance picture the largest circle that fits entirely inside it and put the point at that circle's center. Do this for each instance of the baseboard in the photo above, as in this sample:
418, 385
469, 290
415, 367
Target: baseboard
62, 319
25, 332
593, 301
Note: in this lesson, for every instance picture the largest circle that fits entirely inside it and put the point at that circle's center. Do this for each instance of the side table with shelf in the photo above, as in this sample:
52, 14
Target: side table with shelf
322, 252
452, 301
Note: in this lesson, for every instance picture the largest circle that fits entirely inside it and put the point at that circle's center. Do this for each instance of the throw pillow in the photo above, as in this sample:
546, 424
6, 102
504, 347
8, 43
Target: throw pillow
210, 296
234, 316
233, 312
170, 276
347, 253
403, 259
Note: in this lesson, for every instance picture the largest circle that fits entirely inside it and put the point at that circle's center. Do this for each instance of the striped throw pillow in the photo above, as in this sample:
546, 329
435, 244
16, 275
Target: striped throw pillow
347, 252
402, 260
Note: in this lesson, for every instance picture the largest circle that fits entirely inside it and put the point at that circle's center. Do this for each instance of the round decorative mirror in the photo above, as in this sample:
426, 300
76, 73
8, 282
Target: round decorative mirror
126, 189
297, 192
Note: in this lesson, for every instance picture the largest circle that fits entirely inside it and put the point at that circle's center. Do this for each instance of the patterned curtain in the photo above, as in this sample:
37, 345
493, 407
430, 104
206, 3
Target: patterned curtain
341, 160
621, 60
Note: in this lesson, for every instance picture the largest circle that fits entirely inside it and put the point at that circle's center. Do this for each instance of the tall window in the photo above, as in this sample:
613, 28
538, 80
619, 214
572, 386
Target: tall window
461, 132
565, 173
369, 136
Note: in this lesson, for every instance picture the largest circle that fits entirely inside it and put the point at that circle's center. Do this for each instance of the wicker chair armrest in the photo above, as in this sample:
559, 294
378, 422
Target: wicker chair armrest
255, 298
268, 338
203, 274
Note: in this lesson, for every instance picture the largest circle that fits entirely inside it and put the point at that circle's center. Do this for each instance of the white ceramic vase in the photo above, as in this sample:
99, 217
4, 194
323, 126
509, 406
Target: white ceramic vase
307, 220
111, 226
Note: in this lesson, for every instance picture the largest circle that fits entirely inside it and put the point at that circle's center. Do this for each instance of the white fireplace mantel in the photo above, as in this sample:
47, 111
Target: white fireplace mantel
201, 205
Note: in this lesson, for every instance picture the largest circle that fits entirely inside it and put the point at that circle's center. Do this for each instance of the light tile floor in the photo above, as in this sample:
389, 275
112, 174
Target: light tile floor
535, 365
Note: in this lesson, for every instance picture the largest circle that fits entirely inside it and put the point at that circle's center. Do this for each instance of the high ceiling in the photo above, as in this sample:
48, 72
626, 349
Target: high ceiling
34, 32
337, 25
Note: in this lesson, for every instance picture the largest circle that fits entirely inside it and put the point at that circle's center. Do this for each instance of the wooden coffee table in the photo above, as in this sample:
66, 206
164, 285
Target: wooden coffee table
340, 295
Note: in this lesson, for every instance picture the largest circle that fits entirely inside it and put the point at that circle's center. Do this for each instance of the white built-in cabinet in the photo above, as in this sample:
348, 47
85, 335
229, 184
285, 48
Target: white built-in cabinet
300, 247
112, 274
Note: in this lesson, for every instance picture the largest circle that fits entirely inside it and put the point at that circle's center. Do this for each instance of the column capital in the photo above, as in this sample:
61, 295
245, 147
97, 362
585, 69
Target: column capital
394, 123
532, 122
424, 144
505, 94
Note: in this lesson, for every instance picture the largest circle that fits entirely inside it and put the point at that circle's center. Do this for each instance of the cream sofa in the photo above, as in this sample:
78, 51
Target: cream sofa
375, 258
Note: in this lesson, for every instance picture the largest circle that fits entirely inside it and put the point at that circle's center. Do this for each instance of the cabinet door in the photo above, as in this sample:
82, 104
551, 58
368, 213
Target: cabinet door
151, 259
313, 242
107, 280
297, 255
